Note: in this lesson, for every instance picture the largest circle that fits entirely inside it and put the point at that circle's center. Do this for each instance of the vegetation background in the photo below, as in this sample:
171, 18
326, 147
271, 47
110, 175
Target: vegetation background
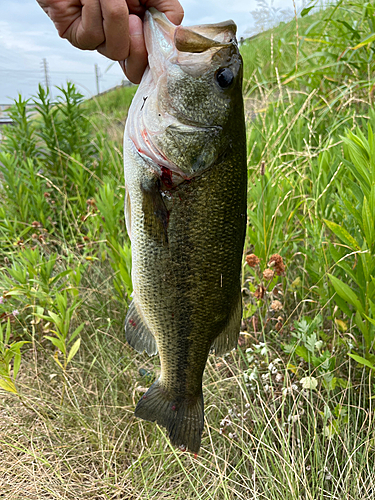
289, 414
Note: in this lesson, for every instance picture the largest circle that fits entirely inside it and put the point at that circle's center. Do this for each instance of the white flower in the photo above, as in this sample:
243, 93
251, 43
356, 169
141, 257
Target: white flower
309, 383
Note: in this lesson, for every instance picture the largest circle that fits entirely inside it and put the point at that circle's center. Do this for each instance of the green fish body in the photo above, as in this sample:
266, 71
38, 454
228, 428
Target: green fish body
185, 176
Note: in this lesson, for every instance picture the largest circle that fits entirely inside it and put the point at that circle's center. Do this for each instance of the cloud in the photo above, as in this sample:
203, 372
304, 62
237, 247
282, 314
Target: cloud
15, 41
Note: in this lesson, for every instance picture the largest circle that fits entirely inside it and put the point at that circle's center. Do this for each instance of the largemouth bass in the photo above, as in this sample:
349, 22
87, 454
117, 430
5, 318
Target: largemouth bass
185, 206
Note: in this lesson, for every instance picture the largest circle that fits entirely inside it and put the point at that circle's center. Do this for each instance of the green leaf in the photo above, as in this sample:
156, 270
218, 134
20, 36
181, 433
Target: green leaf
16, 364
16, 346
306, 10
372, 321
56, 319
57, 343
346, 293
73, 350
338, 258
361, 361
350, 28
302, 352
15, 293
368, 223
343, 234
363, 327
8, 332
59, 276
8, 386
364, 42
352, 210
76, 332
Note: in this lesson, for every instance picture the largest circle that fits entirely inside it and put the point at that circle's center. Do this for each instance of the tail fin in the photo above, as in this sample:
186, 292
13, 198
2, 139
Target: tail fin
183, 419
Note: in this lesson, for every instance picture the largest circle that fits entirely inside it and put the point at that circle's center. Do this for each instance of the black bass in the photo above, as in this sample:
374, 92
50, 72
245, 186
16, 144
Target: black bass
185, 207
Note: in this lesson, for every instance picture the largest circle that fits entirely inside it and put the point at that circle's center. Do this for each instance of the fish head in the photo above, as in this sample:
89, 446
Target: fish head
189, 96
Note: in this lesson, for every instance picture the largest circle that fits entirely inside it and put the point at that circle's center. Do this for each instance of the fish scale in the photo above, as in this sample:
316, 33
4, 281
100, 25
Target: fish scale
186, 213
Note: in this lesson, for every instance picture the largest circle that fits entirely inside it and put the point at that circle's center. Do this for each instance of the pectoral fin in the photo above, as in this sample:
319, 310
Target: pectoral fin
156, 215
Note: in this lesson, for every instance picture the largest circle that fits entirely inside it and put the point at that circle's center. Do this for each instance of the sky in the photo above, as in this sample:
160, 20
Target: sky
27, 36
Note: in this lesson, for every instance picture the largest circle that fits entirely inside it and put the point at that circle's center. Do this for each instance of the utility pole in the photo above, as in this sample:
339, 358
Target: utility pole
97, 76
46, 75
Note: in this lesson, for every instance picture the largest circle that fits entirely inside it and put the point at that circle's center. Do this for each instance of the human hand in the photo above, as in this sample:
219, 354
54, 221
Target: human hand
112, 27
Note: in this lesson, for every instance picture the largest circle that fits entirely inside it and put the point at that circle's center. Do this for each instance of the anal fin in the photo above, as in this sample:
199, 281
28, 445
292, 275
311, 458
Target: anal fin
137, 332
228, 338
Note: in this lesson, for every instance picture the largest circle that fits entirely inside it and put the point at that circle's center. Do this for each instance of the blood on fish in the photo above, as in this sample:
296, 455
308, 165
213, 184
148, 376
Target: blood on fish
144, 136
166, 177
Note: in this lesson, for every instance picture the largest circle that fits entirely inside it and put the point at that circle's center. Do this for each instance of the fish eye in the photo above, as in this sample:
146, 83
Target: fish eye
224, 77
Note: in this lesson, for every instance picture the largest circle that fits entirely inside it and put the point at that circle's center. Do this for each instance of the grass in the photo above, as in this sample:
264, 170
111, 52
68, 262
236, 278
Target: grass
266, 442
289, 414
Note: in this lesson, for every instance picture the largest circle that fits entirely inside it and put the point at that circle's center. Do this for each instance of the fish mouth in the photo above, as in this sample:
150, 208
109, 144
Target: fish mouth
195, 39
165, 41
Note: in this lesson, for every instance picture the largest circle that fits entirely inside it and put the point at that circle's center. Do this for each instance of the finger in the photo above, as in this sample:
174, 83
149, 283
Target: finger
86, 31
115, 15
171, 8
136, 63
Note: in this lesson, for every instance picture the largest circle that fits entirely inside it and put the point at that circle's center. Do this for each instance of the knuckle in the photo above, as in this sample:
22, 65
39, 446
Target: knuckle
116, 10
